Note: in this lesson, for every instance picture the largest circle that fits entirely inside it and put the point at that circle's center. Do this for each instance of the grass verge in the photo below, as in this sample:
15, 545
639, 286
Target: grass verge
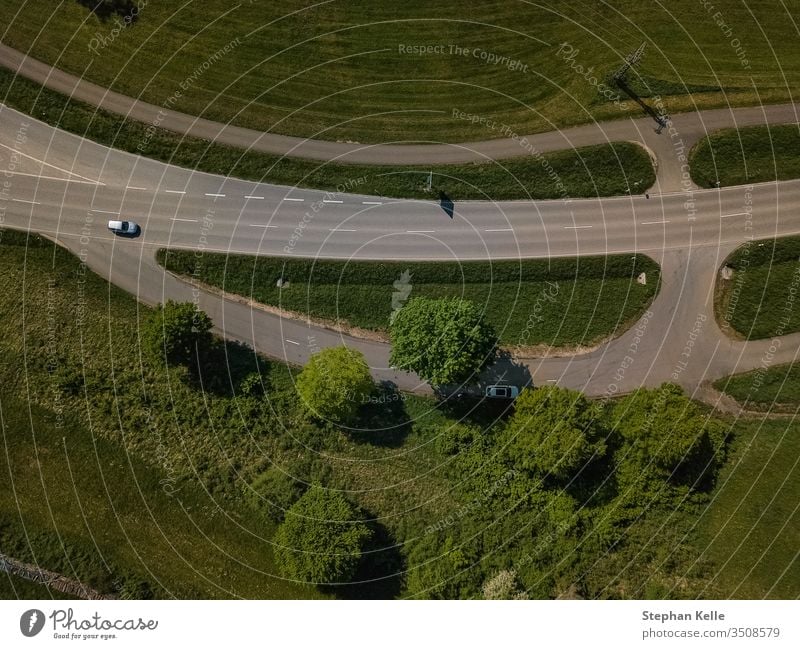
559, 302
775, 389
751, 529
747, 155
760, 300
602, 170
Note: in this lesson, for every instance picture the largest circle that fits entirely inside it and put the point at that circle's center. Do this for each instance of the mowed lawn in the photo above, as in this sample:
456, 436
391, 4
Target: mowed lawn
602, 170
774, 389
747, 155
559, 302
762, 298
85, 508
353, 70
751, 530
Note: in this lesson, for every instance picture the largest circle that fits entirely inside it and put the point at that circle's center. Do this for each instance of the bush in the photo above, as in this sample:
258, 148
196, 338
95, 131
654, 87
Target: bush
666, 434
321, 539
274, 492
555, 432
503, 585
334, 383
178, 332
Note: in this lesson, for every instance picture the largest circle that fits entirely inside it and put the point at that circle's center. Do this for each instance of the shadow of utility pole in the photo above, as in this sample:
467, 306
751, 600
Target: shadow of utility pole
660, 119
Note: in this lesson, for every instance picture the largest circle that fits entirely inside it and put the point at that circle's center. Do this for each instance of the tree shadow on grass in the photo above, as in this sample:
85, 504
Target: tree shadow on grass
228, 368
379, 574
127, 10
382, 420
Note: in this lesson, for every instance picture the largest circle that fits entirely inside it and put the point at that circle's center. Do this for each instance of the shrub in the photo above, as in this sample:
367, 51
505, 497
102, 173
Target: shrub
321, 539
334, 383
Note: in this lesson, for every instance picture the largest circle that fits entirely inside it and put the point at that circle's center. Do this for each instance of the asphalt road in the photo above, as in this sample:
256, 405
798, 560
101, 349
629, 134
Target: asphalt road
67, 188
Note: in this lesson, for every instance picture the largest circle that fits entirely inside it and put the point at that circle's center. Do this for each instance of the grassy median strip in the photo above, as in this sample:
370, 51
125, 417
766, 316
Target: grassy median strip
367, 71
774, 389
747, 155
762, 297
560, 302
602, 170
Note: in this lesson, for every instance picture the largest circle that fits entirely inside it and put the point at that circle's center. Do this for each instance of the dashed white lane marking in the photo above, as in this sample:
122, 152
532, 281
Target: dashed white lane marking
341, 230
501, 230
22, 200
725, 216
255, 198
186, 220
420, 231
328, 200
371, 203
292, 342
215, 195
552, 380
104, 211
577, 227
261, 225
296, 200
174, 191
138, 189
653, 222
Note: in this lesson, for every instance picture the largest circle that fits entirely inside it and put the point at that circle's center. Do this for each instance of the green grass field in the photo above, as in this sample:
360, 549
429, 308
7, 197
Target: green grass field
748, 155
343, 71
751, 530
774, 389
603, 170
103, 486
761, 299
560, 302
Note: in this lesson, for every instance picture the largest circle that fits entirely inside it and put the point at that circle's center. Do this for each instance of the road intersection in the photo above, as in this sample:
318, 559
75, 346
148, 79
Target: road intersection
67, 187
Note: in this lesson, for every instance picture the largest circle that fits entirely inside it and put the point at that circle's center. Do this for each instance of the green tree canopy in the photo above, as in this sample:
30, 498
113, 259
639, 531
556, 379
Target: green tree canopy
177, 331
443, 340
554, 431
321, 539
335, 382
664, 429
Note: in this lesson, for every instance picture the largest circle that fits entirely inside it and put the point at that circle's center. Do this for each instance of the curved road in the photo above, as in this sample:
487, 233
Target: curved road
685, 130
66, 188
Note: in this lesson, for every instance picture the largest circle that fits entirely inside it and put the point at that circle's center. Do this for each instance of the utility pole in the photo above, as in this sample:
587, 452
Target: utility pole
630, 60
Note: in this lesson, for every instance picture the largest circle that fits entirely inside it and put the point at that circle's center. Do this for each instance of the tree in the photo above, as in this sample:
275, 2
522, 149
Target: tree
178, 331
503, 585
321, 539
443, 340
335, 382
554, 431
665, 430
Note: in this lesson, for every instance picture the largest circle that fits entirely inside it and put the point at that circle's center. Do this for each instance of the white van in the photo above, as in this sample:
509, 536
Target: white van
123, 227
